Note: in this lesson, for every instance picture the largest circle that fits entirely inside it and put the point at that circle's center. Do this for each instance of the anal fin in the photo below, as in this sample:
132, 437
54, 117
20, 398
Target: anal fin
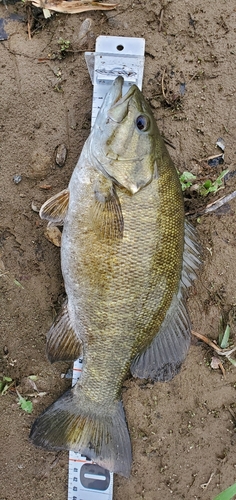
55, 209
107, 213
162, 359
62, 342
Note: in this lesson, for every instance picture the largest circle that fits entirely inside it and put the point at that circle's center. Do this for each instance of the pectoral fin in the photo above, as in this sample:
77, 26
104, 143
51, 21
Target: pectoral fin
62, 342
55, 209
107, 213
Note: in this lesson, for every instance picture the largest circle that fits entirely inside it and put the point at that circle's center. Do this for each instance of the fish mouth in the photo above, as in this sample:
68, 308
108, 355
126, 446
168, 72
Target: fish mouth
119, 107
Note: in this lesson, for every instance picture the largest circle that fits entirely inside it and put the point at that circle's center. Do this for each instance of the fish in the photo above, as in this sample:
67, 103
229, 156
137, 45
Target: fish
128, 257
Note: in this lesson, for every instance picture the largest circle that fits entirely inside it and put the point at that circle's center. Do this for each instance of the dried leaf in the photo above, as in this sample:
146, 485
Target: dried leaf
45, 186
74, 6
215, 363
53, 234
18, 283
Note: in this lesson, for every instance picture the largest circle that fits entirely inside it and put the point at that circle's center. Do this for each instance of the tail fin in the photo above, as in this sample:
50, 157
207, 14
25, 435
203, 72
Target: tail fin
75, 423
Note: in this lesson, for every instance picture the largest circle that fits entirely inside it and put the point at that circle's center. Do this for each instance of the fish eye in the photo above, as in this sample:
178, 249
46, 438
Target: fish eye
142, 123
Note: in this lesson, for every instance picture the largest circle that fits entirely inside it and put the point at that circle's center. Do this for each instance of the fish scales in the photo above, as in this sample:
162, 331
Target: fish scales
127, 257
113, 276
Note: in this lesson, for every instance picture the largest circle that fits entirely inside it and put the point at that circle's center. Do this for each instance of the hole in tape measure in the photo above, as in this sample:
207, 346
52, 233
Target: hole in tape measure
94, 477
120, 47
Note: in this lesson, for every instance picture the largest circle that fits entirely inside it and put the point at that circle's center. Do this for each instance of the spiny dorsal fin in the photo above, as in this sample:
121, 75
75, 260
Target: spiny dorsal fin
62, 342
162, 359
107, 213
55, 209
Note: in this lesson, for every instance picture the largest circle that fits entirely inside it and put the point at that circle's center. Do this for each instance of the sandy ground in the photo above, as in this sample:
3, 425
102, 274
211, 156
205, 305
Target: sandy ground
183, 432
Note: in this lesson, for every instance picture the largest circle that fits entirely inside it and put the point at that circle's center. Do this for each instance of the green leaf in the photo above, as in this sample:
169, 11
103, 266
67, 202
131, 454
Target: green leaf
186, 180
227, 494
5, 389
212, 187
207, 184
25, 404
32, 377
4, 385
232, 361
18, 284
225, 338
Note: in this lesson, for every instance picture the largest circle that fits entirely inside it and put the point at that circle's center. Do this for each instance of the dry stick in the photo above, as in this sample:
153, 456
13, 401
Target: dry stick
29, 31
219, 350
204, 485
29, 14
162, 84
195, 74
221, 201
207, 341
214, 205
161, 19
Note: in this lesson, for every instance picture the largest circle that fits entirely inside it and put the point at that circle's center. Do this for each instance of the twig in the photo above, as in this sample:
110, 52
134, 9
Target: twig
221, 201
222, 369
207, 341
214, 205
219, 350
232, 414
204, 485
192, 78
162, 85
168, 141
29, 20
161, 19
29, 30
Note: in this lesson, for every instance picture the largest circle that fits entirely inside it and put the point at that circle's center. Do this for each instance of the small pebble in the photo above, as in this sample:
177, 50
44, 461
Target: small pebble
35, 207
40, 164
17, 179
5, 350
85, 27
220, 143
68, 374
61, 154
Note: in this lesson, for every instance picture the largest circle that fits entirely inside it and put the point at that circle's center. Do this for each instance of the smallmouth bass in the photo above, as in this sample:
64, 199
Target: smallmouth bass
128, 256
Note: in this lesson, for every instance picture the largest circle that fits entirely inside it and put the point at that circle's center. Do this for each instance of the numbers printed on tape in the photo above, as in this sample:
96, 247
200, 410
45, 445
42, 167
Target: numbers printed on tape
114, 56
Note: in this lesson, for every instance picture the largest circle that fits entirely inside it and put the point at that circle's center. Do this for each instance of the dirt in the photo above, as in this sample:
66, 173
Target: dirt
182, 432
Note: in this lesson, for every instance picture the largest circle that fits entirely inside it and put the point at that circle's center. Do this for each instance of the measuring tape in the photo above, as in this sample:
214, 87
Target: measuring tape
113, 56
